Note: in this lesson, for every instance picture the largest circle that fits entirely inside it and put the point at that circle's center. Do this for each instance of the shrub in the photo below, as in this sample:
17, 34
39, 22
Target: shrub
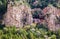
22, 33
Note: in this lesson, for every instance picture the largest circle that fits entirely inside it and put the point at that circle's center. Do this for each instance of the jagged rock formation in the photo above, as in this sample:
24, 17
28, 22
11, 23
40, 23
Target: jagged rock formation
52, 17
18, 14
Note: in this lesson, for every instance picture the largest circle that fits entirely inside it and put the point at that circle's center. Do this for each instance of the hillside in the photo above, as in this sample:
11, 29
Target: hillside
29, 19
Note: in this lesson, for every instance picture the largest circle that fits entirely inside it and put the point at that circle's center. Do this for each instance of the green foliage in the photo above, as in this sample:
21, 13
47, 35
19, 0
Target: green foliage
43, 3
31, 33
3, 6
53, 37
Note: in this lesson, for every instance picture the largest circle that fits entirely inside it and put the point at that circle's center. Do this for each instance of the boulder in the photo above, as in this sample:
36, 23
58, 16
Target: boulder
18, 14
52, 13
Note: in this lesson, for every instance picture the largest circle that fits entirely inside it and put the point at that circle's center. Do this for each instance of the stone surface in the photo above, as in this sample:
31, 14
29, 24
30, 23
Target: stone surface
52, 13
18, 15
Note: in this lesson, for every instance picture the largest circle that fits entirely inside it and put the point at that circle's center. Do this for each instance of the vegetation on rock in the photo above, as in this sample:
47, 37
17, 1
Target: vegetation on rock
39, 19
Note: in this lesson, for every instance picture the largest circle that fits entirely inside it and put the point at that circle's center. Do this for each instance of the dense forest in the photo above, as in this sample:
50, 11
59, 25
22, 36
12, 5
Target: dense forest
29, 19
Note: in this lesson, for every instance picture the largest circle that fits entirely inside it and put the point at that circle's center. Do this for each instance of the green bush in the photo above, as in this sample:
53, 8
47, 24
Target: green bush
53, 37
23, 33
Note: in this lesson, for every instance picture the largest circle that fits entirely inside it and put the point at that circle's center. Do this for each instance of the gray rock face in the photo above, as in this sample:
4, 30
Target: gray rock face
18, 15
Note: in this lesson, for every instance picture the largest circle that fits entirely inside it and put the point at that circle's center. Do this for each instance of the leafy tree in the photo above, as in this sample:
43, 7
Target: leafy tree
42, 3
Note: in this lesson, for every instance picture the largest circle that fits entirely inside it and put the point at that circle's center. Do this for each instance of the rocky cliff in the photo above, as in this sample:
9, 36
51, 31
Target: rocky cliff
18, 14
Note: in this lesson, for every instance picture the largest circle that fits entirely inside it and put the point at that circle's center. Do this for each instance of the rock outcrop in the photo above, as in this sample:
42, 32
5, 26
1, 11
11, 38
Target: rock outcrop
18, 14
52, 17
